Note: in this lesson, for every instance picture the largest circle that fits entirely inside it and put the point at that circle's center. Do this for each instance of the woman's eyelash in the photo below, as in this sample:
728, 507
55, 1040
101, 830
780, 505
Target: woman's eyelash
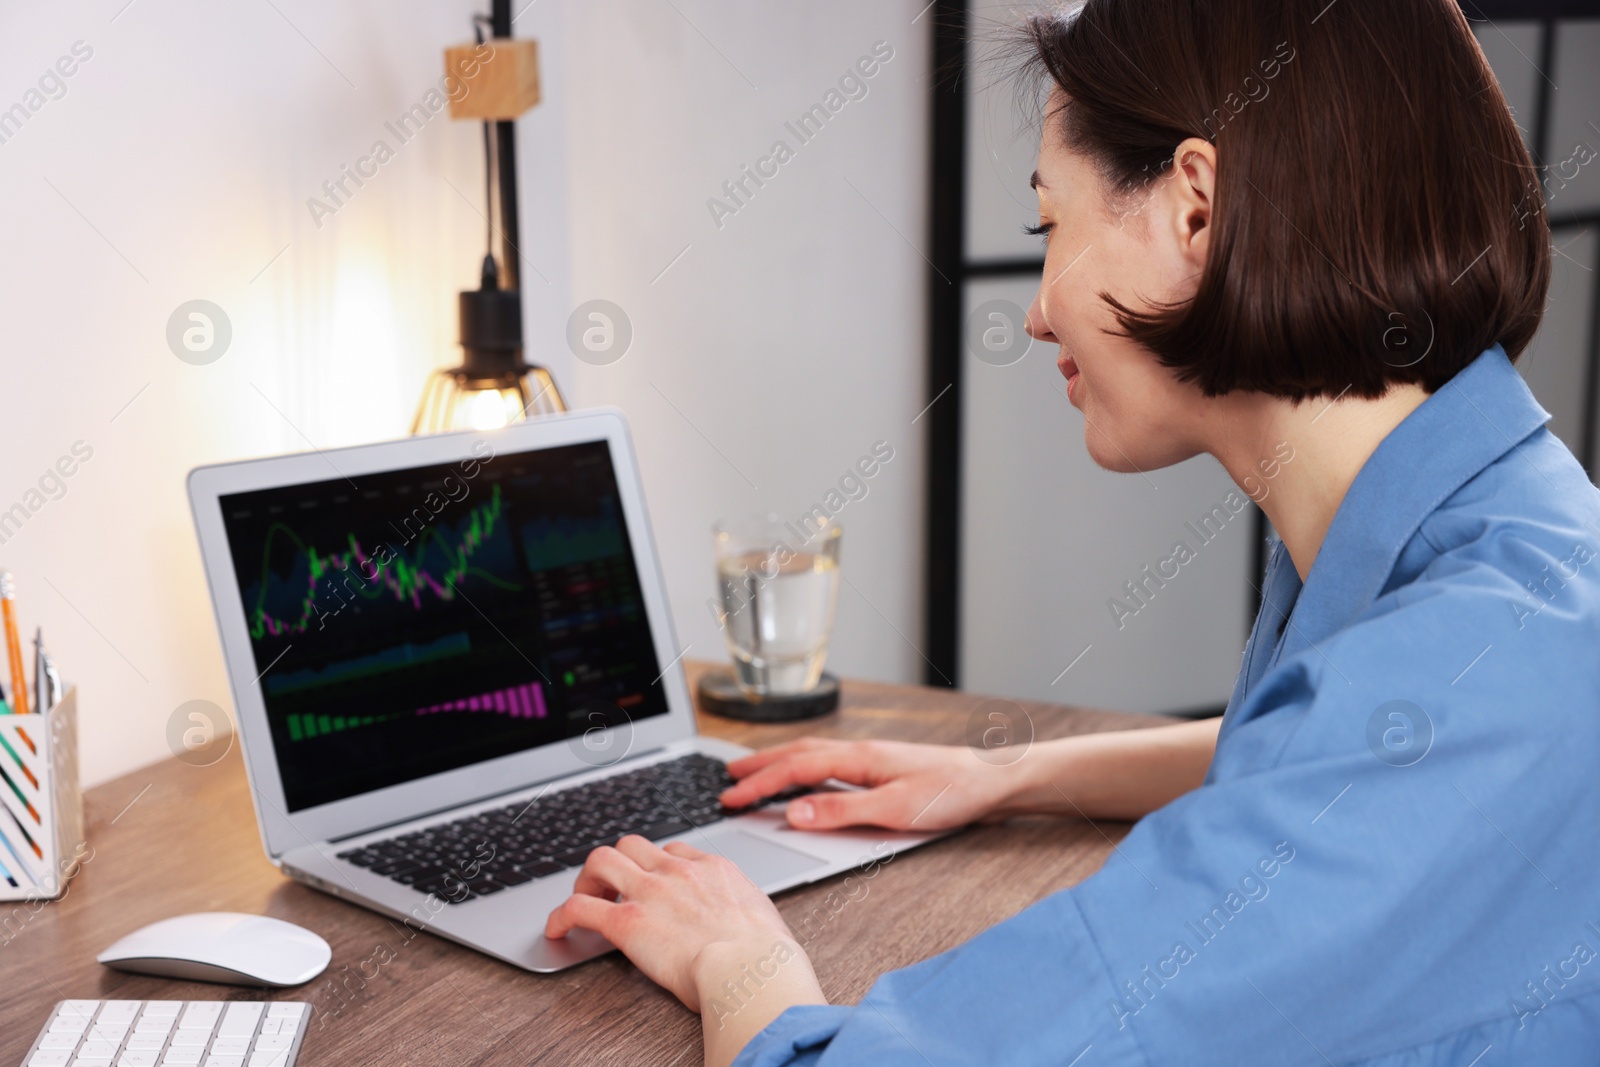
1041, 230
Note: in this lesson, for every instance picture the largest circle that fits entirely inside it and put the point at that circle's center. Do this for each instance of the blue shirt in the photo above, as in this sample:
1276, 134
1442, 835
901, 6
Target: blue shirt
1395, 857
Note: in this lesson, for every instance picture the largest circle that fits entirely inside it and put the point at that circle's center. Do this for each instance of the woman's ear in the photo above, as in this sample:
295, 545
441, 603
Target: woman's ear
1192, 196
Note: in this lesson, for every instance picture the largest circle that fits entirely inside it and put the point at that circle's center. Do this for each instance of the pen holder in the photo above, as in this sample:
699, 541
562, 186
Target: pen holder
41, 829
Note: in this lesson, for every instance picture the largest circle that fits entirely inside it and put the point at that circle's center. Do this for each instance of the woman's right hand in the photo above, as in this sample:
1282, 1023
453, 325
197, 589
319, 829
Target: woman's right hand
907, 786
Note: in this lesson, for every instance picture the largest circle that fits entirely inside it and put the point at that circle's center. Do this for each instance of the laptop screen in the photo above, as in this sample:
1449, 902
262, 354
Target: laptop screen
413, 622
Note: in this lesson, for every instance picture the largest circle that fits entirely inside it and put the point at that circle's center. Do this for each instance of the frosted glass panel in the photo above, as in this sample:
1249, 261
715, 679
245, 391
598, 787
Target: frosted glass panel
1512, 49
1555, 364
1571, 184
1002, 148
1049, 539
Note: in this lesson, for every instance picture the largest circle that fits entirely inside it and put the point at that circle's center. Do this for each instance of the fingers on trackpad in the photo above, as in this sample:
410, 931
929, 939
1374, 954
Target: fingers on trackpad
766, 863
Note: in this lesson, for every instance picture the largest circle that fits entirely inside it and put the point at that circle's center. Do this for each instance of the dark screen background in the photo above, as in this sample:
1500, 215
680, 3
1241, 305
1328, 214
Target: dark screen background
423, 620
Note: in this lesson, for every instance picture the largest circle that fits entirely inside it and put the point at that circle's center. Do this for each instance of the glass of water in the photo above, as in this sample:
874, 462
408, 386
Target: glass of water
777, 589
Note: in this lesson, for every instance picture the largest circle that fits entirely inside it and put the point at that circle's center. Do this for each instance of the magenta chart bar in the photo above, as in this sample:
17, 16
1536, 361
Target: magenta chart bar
517, 702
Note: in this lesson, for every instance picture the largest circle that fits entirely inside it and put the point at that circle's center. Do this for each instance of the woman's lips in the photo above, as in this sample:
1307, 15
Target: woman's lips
1069, 371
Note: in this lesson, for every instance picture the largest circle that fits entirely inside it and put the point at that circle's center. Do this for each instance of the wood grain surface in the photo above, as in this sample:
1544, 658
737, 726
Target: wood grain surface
172, 839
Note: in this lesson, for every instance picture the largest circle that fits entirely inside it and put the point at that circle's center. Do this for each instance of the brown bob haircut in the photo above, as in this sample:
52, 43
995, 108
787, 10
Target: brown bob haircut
1377, 217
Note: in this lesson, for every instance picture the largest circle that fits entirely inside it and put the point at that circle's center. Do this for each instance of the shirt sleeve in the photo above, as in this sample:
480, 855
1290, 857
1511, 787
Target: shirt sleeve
1378, 844
797, 1037
995, 996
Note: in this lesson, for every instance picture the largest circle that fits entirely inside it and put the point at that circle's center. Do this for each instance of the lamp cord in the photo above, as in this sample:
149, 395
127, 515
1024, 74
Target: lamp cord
478, 22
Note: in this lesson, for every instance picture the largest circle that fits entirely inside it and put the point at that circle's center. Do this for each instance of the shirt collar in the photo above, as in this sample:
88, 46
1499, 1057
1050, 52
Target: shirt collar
1477, 417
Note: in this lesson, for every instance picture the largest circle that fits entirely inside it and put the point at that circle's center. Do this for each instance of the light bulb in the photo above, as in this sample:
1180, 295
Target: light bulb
454, 400
486, 410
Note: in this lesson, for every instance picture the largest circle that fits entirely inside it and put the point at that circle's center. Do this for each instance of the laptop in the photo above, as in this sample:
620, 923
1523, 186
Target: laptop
455, 674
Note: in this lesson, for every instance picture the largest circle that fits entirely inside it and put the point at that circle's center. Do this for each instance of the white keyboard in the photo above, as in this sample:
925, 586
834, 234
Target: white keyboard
153, 1033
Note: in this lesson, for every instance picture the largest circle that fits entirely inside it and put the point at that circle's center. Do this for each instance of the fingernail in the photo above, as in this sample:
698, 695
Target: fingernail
802, 811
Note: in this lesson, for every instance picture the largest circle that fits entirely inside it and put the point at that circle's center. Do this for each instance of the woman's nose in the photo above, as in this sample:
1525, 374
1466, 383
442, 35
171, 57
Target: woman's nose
1036, 327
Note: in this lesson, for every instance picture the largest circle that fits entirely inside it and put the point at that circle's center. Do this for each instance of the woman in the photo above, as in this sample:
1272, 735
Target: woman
1268, 227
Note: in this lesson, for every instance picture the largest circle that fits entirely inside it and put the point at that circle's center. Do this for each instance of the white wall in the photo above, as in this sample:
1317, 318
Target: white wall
785, 342
178, 163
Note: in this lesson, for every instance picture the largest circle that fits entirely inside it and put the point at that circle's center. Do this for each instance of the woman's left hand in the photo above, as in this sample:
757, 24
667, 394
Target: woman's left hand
687, 919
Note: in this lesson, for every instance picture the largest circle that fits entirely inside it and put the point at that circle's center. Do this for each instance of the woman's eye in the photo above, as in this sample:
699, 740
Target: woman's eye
1041, 230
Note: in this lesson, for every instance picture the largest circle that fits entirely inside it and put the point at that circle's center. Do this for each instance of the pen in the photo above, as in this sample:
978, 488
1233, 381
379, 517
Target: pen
47, 688
8, 605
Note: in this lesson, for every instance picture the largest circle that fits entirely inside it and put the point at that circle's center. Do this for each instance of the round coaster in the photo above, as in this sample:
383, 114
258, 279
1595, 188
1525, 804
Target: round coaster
719, 694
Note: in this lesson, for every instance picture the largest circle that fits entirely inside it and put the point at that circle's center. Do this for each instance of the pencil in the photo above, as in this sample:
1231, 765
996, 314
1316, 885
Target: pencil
8, 605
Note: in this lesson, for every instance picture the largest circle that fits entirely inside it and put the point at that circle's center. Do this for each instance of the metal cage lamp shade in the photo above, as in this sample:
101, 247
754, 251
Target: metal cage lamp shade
493, 386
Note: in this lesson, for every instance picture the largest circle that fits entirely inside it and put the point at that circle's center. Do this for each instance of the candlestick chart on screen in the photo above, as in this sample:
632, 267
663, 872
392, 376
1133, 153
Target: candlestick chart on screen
400, 629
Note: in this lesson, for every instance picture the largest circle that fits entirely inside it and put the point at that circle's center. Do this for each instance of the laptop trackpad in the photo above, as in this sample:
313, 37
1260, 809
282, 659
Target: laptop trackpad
766, 863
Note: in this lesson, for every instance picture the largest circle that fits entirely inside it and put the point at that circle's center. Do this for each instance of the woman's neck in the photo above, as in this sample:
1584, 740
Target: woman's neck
1326, 442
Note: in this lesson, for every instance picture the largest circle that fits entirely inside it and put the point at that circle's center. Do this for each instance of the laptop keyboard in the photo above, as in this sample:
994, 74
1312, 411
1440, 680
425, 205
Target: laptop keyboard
504, 847
201, 1033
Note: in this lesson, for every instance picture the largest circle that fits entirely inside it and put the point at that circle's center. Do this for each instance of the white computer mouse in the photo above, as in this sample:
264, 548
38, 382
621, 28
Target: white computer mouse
222, 946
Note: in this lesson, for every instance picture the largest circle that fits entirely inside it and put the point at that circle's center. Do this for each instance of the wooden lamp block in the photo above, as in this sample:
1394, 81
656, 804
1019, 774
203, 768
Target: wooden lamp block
499, 78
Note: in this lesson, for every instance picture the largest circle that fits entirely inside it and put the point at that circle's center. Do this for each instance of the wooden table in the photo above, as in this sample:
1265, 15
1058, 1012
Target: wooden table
173, 838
